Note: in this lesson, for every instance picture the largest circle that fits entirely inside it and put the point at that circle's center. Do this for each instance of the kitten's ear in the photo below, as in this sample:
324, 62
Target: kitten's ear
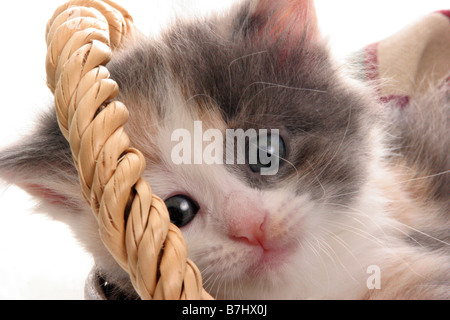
42, 165
291, 20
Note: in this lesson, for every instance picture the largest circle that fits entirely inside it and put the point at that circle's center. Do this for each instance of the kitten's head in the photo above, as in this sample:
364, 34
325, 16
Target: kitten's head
261, 67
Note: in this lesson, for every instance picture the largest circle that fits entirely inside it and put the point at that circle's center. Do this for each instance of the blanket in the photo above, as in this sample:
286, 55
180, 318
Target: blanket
410, 61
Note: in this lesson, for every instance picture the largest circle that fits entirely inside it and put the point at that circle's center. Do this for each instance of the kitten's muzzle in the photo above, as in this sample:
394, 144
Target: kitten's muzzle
246, 220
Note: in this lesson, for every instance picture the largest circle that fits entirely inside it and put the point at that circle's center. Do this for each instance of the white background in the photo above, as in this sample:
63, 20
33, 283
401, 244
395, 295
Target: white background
39, 259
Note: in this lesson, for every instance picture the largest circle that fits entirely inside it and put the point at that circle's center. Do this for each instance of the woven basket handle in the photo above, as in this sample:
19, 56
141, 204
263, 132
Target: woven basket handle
134, 224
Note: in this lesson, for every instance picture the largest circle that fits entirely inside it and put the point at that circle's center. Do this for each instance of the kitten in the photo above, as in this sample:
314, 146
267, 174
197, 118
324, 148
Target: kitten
344, 217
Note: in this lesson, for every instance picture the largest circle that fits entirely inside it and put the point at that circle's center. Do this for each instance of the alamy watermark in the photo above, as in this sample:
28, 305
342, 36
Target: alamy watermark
374, 280
237, 147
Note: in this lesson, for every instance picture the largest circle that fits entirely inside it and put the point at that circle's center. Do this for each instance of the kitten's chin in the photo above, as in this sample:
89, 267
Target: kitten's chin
268, 275
267, 262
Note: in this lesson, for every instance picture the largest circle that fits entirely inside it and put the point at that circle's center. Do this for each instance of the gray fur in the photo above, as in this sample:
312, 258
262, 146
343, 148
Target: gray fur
422, 131
261, 84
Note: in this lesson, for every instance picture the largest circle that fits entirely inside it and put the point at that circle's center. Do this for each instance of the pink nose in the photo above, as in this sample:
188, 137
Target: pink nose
249, 229
246, 220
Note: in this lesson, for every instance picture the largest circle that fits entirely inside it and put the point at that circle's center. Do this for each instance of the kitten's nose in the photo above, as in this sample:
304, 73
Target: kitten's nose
246, 220
250, 229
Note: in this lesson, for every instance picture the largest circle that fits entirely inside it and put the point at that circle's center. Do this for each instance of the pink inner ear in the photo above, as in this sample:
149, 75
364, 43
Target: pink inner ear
49, 195
289, 17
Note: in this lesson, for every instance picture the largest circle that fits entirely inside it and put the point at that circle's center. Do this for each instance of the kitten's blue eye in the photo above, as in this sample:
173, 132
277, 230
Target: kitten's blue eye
273, 147
182, 210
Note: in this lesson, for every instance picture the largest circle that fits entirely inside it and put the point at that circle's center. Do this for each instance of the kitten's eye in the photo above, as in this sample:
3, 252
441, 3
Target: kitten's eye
272, 150
182, 210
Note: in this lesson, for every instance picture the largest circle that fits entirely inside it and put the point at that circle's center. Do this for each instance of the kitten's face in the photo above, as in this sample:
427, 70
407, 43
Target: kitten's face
252, 235
288, 234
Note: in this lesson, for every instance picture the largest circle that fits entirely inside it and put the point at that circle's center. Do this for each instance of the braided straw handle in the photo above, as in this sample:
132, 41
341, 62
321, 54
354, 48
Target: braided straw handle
133, 223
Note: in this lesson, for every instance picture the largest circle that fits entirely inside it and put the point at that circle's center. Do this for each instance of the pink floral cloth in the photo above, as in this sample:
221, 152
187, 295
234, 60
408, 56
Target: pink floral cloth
410, 61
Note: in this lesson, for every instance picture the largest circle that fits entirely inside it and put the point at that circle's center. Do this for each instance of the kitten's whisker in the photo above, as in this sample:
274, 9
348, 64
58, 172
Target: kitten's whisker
398, 222
361, 213
317, 254
425, 177
211, 286
236, 60
208, 267
199, 254
255, 95
206, 278
271, 85
342, 194
359, 232
418, 231
345, 246
199, 95
343, 266
239, 293
342, 141
364, 234
324, 250
317, 178
297, 173
277, 85
279, 116
398, 229
423, 233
